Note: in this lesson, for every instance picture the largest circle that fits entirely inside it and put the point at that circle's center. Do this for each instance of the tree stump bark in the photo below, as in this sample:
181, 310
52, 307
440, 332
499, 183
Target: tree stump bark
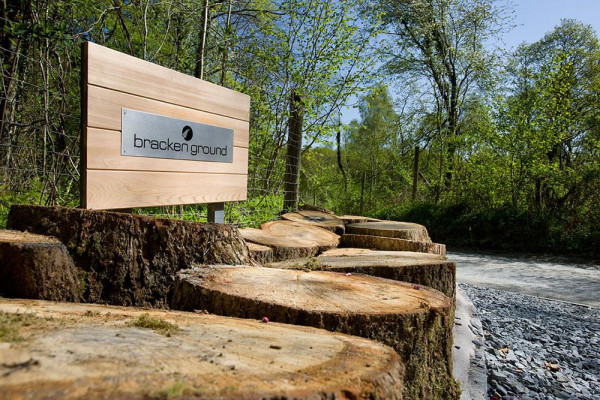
291, 239
392, 244
414, 320
420, 268
128, 259
261, 255
392, 229
317, 218
97, 352
36, 267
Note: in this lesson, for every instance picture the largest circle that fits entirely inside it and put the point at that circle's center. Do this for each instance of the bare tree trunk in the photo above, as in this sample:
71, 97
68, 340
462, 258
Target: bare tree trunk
117, 6
339, 156
202, 43
226, 46
362, 192
415, 174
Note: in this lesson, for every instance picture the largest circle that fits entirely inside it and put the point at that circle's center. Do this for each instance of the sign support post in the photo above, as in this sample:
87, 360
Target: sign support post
216, 213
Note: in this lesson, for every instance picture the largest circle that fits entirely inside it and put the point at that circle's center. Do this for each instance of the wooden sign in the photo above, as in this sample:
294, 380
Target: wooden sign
111, 179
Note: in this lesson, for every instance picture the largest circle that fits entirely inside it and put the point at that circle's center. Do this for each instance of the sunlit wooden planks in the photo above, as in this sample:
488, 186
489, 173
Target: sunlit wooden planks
127, 189
104, 111
113, 81
117, 71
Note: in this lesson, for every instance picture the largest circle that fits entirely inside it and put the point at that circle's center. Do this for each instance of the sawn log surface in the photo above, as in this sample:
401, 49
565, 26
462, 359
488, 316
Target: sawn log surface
414, 320
88, 352
420, 268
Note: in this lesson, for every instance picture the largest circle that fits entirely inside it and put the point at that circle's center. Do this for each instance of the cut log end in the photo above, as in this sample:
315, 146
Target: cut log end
415, 320
315, 292
10, 236
392, 229
392, 244
36, 267
317, 218
291, 239
201, 356
424, 269
354, 219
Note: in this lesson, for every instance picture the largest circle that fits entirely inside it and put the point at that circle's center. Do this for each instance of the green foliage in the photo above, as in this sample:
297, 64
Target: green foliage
9, 197
503, 228
255, 211
502, 142
525, 165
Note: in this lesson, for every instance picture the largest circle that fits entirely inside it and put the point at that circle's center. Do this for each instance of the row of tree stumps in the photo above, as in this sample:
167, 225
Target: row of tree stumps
300, 271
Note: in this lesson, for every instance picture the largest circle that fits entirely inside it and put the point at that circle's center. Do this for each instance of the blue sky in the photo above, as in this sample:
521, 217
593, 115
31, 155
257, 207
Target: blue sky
533, 19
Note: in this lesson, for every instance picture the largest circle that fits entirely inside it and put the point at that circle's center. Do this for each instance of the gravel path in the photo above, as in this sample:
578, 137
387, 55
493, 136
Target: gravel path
537, 348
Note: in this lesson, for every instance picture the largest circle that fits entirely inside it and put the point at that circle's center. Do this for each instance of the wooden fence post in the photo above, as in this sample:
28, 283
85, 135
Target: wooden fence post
294, 153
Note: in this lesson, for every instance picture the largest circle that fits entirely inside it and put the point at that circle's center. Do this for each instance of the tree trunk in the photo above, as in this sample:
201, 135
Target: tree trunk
199, 72
128, 259
260, 254
415, 174
362, 192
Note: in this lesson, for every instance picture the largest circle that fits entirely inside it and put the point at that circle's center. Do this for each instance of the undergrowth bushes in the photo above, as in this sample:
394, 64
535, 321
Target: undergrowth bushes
505, 228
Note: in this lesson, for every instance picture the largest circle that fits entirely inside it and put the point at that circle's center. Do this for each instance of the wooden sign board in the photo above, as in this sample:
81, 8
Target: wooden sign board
114, 82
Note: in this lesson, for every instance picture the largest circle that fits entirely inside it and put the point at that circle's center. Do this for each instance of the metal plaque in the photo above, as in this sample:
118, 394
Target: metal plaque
150, 135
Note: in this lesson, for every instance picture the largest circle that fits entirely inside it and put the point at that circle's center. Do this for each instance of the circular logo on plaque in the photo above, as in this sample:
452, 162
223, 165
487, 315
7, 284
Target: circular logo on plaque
187, 133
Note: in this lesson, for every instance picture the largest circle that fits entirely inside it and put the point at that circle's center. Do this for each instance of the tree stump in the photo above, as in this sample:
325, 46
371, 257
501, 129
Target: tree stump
36, 267
392, 229
311, 207
414, 320
419, 268
97, 352
128, 259
355, 219
317, 218
392, 244
291, 239
260, 254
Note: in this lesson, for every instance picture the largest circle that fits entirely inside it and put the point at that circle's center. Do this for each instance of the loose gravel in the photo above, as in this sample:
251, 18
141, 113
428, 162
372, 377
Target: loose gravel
537, 348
